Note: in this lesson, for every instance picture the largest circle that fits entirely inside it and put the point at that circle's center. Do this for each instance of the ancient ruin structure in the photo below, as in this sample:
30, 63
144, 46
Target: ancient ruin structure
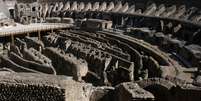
100, 50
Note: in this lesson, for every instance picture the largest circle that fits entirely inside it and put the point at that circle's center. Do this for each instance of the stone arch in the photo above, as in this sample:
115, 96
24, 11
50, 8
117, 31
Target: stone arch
159, 87
160, 92
156, 81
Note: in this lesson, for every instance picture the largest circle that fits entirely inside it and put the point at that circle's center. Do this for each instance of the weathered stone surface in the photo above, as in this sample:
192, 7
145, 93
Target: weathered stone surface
197, 81
31, 64
16, 50
131, 92
6, 62
6, 22
103, 93
67, 64
34, 55
174, 44
111, 56
34, 43
42, 87
191, 53
4, 12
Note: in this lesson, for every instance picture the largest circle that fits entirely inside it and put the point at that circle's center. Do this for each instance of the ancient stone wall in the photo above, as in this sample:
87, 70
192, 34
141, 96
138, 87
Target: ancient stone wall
31, 65
67, 64
6, 62
43, 87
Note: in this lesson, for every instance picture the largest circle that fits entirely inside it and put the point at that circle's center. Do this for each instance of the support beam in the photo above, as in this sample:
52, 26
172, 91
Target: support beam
28, 34
122, 20
12, 39
39, 35
162, 25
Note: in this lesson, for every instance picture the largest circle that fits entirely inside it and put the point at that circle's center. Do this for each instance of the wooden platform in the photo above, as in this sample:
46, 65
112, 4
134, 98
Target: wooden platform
24, 29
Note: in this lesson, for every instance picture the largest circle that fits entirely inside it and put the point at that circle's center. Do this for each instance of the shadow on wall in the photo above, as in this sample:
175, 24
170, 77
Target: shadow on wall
160, 92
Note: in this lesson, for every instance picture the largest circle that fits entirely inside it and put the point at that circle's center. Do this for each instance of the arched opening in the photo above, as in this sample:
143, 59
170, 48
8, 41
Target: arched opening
11, 13
160, 92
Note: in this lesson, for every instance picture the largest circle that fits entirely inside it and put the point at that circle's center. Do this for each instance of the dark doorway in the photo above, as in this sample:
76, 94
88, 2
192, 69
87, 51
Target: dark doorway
11, 13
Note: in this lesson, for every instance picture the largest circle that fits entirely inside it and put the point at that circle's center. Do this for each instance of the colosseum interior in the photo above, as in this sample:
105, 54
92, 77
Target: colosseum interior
100, 50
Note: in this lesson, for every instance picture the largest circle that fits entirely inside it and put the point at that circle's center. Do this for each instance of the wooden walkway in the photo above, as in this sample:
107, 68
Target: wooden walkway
37, 27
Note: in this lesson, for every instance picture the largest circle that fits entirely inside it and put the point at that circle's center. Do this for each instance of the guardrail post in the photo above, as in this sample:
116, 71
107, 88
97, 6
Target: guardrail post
52, 30
12, 39
28, 34
39, 36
